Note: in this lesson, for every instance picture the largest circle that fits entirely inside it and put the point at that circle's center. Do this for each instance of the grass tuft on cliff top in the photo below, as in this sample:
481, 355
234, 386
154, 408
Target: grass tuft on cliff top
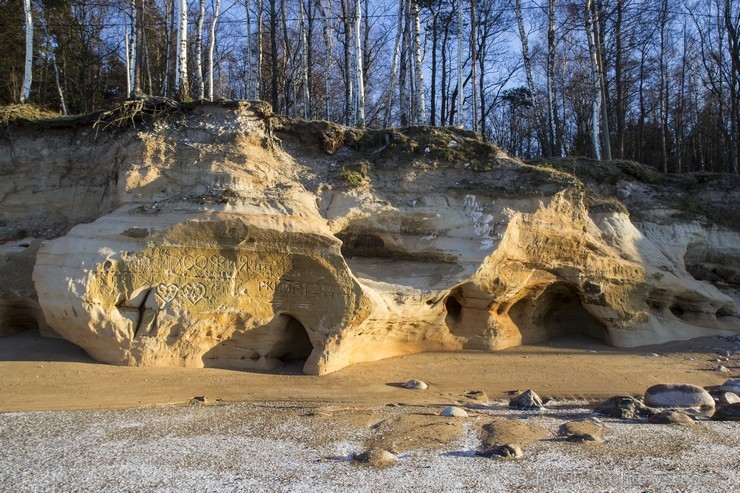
25, 112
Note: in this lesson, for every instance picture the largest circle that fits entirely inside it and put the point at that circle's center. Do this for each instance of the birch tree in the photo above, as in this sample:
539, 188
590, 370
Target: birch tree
328, 55
250, 73
258, 90
212, 47
394, 65
596, 104
131, 49
304, 64
199, 86
28, 66
555, 144
181, 70
359, 79
420, 115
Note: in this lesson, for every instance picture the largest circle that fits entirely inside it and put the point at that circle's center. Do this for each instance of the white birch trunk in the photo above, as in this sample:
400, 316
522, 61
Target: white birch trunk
421, 113
458, 114
199, 89
360, 91
304, 65
132, 47
127, 53
596, 105
394, 71
258, 84
250, 75
62, 101
327, 57
181, 75
28, 71
212, 47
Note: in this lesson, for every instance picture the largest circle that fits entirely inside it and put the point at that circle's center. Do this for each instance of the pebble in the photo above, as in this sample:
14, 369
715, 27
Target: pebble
376, 457
652, 355
415, 384
722, 369
731, 386
624, 406
198, 400
581, 431
727, 398
454, 411
508, 451
672, 417
527, 400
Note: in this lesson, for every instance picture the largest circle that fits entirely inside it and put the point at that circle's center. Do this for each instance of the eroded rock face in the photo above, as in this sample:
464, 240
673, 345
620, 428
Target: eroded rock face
189, 289
216, 244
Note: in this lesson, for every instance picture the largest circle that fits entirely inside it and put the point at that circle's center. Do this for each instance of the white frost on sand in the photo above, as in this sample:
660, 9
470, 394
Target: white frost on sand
283, 447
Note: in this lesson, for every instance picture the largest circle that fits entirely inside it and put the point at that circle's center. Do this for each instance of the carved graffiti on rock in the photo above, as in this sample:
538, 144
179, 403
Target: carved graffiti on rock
204, 279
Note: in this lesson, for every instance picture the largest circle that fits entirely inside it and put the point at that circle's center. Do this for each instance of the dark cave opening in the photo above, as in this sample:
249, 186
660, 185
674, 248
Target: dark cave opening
558, 311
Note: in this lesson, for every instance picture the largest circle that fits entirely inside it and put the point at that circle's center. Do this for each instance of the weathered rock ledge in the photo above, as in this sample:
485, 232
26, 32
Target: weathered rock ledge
223, 236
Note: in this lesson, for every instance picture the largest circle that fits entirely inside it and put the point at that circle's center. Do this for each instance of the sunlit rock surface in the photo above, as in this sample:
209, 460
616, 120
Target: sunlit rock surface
222, 236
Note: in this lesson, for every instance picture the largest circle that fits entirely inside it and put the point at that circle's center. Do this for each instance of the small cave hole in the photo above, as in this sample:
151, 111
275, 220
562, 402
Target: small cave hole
558, 311
454, 309
677, 310
362, 245
296, 345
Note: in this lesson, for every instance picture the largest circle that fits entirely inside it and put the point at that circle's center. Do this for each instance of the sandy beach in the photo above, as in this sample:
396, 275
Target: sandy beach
70, 424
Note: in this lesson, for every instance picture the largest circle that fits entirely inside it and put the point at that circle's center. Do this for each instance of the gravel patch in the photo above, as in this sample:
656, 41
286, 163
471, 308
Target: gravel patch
307, 447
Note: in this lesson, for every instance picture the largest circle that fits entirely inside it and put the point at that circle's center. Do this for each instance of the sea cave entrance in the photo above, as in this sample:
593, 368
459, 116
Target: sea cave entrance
282, 342
557, 311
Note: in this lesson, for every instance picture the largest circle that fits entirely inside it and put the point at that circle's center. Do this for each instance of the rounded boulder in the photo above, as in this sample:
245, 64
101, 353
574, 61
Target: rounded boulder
678, 395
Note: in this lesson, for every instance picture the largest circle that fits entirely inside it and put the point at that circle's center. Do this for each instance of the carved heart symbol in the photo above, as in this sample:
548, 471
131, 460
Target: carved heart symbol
194, 292
167, 292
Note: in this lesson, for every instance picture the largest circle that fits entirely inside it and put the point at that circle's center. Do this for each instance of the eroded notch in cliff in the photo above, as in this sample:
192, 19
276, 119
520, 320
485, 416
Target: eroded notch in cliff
283, 340
557, 311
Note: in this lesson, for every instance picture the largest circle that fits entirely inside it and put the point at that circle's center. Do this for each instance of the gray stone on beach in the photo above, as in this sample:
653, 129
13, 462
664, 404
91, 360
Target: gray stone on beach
727, 398
527, 400
455, 412
678, 395
376, 457
508, 451
731, 386
672, 417
415, 384
730, 412
624, 406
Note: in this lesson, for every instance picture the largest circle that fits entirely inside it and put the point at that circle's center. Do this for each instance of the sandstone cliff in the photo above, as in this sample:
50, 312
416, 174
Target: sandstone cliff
219, 235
